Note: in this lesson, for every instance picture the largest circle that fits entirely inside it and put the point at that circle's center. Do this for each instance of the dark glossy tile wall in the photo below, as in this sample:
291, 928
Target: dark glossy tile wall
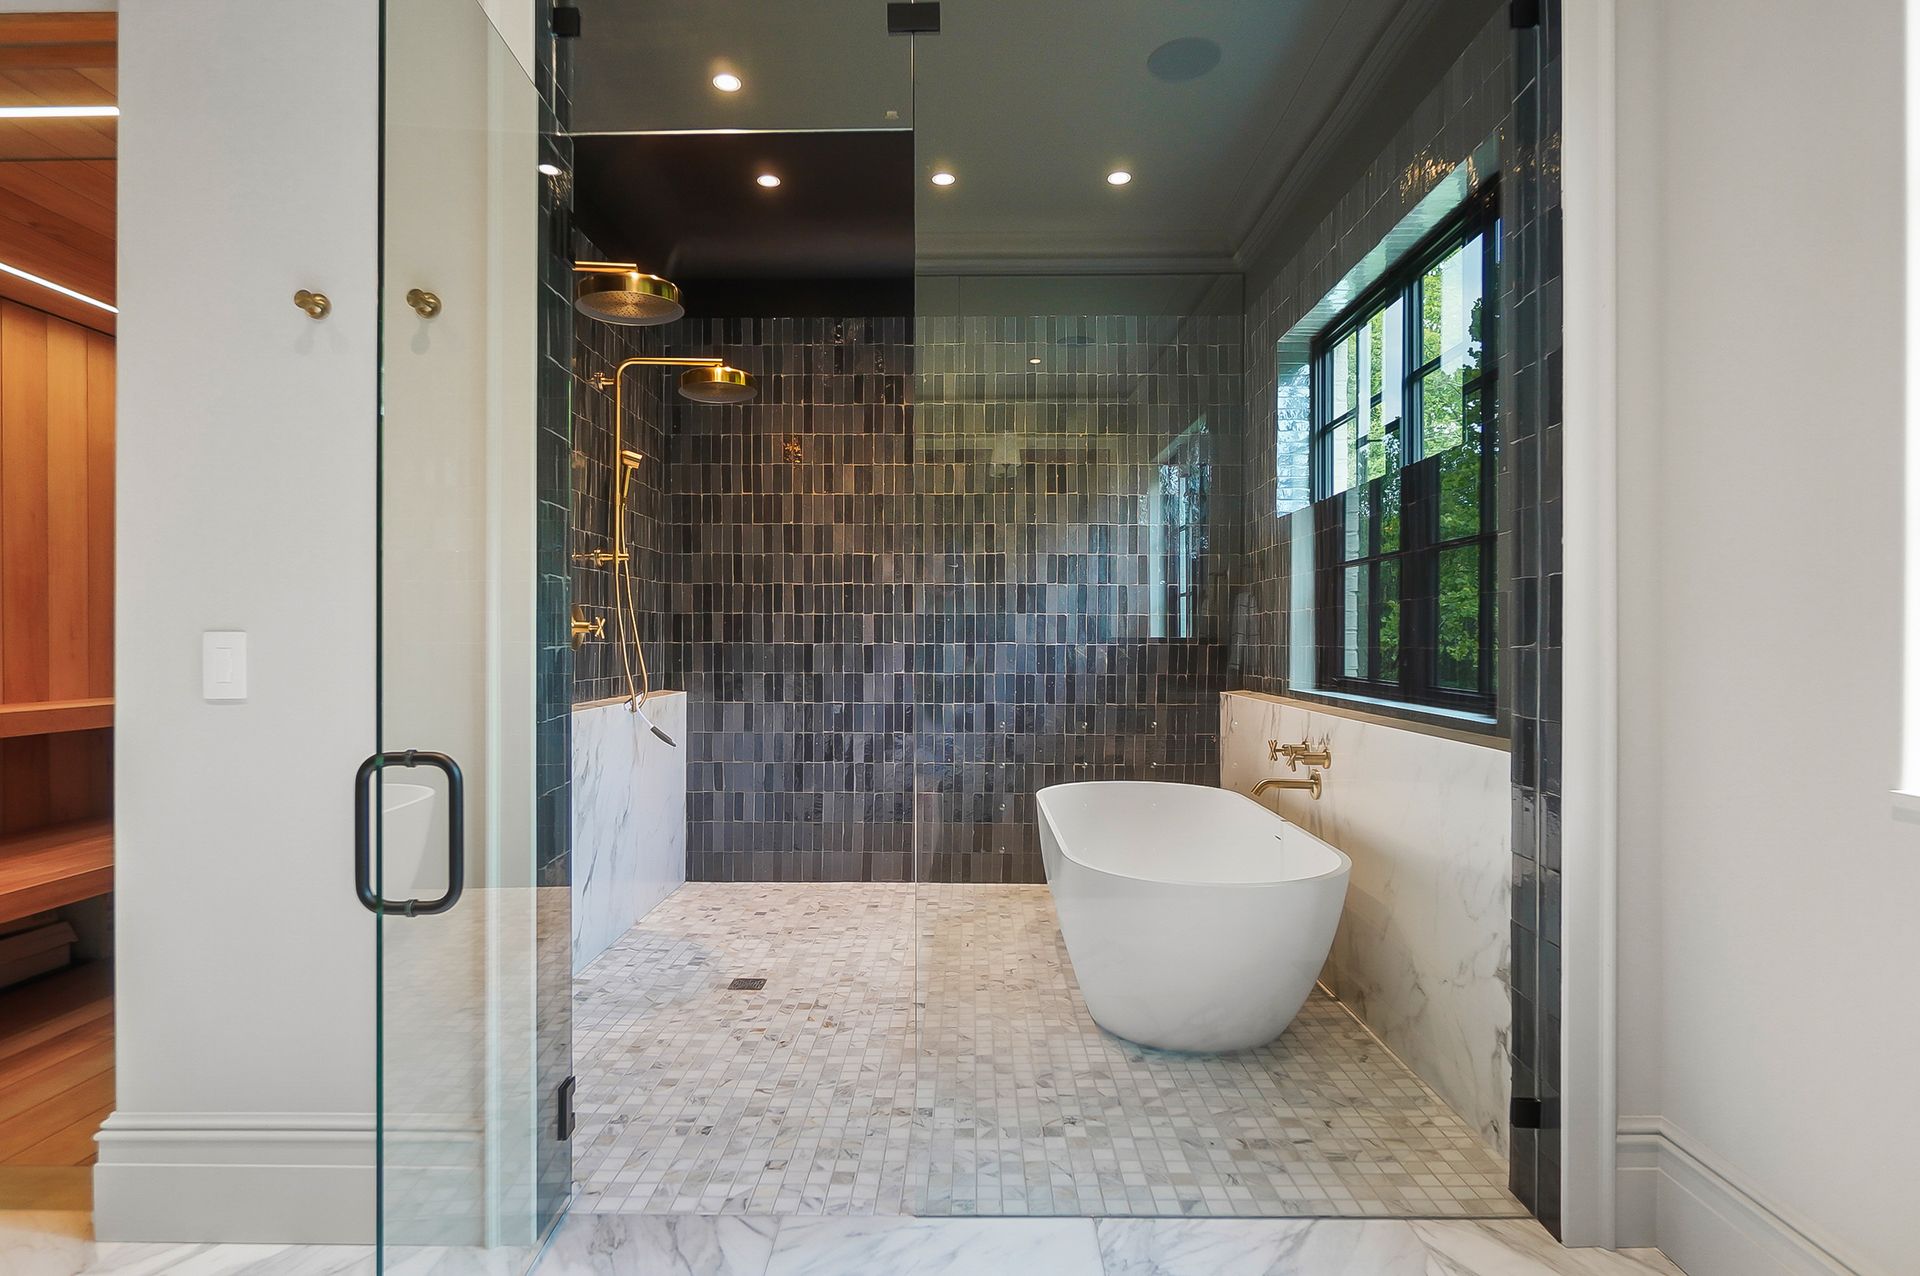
553, 914
915, 580
791, 602
1077, 519
1531, 480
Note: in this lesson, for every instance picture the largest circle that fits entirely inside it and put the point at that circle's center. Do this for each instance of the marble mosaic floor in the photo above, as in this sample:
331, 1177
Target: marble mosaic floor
740, 1245
931, 1056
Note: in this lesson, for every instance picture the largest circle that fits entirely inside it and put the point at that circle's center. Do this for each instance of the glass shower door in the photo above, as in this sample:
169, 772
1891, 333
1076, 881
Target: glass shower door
448, 797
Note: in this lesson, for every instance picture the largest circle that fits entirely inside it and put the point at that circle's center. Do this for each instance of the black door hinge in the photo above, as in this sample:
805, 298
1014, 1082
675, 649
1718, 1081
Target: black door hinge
1534, 1114
564, 21
913, 19
563, 1123
1523, 15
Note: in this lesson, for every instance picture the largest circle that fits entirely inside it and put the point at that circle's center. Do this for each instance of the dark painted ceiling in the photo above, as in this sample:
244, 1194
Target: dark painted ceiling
686, 205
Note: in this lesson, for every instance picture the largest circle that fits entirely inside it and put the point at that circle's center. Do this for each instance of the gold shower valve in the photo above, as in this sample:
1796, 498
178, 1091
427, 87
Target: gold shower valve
583, 628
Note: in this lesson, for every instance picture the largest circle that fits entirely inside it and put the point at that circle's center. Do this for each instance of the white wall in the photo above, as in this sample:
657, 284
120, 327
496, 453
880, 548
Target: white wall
1421, 955
245, 475
247, 471
1769, 950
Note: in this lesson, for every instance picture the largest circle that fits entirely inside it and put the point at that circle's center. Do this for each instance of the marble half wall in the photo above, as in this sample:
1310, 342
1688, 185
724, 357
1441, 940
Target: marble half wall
1421, 955
629, 817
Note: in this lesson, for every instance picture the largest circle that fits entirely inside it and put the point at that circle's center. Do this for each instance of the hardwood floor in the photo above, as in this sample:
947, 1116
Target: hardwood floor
56, 1082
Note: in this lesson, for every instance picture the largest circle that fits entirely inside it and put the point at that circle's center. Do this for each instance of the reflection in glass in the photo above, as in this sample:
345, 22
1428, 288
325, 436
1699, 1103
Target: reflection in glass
1458, 657
1178, 526
1450, 302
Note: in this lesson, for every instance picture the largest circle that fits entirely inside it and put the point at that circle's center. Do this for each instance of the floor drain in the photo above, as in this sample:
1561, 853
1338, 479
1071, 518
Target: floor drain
748, 984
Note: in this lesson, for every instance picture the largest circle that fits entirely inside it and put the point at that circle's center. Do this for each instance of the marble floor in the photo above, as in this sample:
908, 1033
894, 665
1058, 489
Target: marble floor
743, 1245
927, 1053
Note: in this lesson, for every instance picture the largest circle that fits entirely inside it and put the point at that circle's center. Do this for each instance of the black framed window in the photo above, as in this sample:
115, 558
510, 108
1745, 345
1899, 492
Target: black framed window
1404, 503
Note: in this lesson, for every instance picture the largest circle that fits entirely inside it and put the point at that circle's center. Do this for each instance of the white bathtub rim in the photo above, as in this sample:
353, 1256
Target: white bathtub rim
1342, 866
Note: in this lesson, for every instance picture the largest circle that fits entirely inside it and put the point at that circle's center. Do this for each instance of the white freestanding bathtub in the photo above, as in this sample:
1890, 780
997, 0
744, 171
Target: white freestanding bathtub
1195, 918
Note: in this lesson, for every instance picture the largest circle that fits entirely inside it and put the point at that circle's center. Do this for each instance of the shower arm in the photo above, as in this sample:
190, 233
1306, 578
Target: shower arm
621, 462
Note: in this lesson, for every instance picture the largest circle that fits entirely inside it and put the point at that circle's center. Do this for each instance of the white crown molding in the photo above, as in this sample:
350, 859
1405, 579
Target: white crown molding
1677, 1194
1051, 253
1264, 212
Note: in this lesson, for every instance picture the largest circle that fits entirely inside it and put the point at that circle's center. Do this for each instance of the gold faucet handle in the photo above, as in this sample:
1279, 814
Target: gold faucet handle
1295, 754
1274, 750
583, 628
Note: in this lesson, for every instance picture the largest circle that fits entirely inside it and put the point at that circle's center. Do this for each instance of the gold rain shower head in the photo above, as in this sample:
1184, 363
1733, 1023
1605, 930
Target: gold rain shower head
620, 292
717, 385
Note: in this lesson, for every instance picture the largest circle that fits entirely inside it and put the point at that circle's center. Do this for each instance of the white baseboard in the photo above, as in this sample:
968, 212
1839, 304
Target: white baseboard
1673, 1193
263, 1178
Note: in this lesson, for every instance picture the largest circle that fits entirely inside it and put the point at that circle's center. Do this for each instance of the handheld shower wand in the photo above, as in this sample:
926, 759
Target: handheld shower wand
623, 567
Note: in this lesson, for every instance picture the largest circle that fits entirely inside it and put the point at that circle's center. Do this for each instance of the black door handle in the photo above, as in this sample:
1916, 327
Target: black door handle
363, 833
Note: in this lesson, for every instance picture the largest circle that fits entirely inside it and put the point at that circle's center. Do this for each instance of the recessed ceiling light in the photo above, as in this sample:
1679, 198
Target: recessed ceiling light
943, 178
57, 112
1035, 359
727, 82
550, 170
768, 180
62, 289
1119, 177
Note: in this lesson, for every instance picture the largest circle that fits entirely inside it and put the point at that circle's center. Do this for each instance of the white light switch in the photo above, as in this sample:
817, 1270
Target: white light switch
223, 664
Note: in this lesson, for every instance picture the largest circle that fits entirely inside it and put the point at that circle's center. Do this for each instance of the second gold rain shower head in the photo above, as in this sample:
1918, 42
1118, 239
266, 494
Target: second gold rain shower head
716, 385
711, 382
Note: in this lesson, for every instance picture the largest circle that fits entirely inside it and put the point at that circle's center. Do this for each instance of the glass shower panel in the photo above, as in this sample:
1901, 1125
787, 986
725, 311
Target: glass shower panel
451, 784
1076, 457
1077, 418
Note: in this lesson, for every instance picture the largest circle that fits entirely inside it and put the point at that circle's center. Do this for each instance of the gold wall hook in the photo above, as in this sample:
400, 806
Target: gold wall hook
314, 303
425, 304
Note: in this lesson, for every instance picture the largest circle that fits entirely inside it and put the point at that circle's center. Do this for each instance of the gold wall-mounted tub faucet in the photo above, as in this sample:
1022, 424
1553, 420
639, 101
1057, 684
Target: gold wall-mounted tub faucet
1312, 783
